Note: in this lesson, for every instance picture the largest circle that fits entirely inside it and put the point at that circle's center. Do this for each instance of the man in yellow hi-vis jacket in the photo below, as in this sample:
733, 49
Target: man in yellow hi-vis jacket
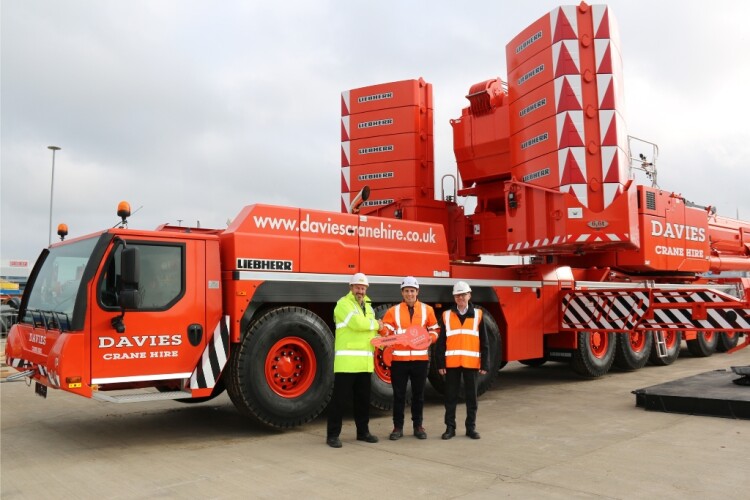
353, 362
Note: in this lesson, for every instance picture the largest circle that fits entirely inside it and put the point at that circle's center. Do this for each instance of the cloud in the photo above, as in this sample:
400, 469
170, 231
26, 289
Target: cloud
194, 109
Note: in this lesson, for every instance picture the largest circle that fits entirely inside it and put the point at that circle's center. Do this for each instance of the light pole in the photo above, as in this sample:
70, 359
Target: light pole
52, 189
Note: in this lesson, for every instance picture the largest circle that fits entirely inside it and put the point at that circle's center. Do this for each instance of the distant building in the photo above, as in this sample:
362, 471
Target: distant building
13, 275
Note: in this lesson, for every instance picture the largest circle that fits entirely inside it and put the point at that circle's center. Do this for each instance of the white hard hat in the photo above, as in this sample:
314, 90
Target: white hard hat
359, 279
461, 287
410, 281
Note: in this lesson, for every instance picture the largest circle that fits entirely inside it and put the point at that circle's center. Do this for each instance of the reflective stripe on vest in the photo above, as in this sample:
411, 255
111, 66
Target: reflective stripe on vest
349, 316
408, 355
462, 341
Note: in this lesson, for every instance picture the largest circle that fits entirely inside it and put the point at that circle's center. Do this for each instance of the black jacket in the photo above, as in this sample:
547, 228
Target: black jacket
484, 347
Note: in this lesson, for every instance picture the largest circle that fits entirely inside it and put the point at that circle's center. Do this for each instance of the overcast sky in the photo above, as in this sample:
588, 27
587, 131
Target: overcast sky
194, 109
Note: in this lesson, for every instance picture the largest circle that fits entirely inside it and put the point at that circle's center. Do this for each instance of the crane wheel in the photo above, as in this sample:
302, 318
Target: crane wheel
704, 344
281, 373
595, 353
633, 349
727, 341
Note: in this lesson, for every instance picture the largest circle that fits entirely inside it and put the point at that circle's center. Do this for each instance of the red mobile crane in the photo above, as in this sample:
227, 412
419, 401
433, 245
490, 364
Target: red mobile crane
617, 272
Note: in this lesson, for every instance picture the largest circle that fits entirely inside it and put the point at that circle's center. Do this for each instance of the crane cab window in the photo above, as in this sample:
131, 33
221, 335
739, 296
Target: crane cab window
162, 276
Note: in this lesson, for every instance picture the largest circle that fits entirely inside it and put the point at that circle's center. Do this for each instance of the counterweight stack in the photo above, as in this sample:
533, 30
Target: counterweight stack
387, 144
568, 146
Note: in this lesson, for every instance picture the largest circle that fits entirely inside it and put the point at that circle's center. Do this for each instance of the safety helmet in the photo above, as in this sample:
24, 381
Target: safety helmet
359, 279
461, 287
410, 281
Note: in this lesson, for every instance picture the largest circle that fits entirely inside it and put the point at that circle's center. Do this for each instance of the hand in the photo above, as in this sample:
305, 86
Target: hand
441, 371
482, 372
380, 324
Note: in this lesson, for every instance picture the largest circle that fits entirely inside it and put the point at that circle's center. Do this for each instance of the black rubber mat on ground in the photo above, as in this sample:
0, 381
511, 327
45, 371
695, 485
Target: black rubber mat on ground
711, 393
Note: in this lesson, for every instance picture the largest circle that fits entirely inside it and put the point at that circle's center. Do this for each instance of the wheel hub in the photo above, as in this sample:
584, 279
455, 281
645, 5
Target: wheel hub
290, 367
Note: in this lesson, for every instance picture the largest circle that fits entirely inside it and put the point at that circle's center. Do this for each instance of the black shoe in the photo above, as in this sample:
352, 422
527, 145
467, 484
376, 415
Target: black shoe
473, 434
397, 433
333, 442
449, 432
369, 438
420, 433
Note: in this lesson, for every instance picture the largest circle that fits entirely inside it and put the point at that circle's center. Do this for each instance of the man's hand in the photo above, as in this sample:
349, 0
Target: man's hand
441, 371
380, 324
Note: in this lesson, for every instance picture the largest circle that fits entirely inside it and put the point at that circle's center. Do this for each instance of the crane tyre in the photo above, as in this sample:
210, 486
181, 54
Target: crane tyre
704, 344
595, 353
381, 392
484, 382
633, 349
727, 340
673, 341
281, 374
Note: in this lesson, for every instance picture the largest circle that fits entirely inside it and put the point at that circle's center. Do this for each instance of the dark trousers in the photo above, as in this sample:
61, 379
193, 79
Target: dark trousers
401, 373
452, 384
346, 385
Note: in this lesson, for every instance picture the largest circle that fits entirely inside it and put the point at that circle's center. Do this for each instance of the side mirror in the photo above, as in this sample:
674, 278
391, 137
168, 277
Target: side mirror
129, 296
130, 271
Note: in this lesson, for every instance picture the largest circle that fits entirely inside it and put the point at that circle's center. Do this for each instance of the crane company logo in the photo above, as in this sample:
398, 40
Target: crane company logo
375, 97
535, 175
525, 44
375, 176
378, 203
376, 123
535, 140
533, 107
265, 265
677, 231
35, 338
140, 341
531, 74
375, 149
597, 224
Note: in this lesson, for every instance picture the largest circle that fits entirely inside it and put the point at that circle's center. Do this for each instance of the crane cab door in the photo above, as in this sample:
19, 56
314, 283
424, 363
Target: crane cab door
163, 336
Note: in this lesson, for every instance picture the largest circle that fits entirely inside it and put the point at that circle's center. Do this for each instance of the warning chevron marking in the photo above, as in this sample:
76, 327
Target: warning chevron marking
345, 152
571, 171
345, 128
579, 157
603, 56
611, 191
345, 181
606, 96
565, 58
601, 21
614, 164
570, 129
568, 93
345, 103
565, 23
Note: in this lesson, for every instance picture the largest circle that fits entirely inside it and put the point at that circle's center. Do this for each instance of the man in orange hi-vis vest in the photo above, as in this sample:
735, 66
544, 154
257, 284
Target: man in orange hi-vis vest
409, 364
462, 351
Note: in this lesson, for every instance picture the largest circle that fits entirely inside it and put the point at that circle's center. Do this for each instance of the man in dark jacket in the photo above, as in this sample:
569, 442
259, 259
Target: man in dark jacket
462, 352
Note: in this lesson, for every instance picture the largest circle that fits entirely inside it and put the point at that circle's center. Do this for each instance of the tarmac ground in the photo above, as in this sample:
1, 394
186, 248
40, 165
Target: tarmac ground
546, 433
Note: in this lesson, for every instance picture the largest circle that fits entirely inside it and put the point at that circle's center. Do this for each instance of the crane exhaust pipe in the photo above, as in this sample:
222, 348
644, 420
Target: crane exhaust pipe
361, 197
